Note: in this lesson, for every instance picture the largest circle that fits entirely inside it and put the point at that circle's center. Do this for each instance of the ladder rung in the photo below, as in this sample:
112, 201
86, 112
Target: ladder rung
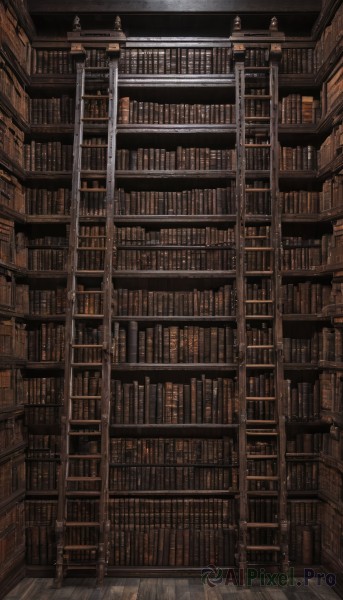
91, 119
81, 547
260, 366
88, 316
82, 524
81, 493
261, 422
263, 493
86, 345
90, 478
96, 69
258, 248
94, 145
264, 346
259, 432
85, 433
262, 96
85, 421
81, 567
263, 548
259, 272
85, 397
257, 118
263, 525
262, 477
257, 398
257, 145
95, 96
258, 301
249, 190
86, 364
97, 248
261, 456
83, 456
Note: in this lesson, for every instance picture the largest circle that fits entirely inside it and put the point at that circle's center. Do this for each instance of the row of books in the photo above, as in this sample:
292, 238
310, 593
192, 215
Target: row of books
44, 414
13, 339
12, 475
140, 302
331, 146
141, 236
49, 111
330, 481
11, 139
331, 391
13, 296
46, 343
9, 394
12, 536
302, 476
49, 259
48, 156
174, 451
300, 158
332, 445
303, 350
305, 544
131, 477
294, 108
46, 445
161, 159
330, 38
11, 192
55, 156
169, 345
332, 521
332, 194
11, 432
42, 474
14, 36
332, 345
13, 91
172, 547
307, 443
172, 61
199, 401
334, 88
216, 201
174, 344
301, 400
169, 259
305, 297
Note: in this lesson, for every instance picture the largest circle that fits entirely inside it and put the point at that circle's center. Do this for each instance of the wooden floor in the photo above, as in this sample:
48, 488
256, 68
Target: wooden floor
159, 589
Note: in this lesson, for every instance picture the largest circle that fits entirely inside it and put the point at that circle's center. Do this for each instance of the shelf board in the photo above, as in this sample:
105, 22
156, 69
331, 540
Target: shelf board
12, 451
172, 493
11, 500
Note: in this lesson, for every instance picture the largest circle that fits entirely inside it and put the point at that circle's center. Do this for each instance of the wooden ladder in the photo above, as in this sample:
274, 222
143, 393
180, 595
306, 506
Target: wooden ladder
82, 525
263, 528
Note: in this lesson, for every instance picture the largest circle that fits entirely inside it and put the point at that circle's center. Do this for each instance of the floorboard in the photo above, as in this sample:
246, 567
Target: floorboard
160, 589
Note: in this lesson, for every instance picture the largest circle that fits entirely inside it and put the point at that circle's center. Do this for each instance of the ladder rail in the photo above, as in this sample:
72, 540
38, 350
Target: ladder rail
247, 425
69, 322
276, 235
107, 318
239, 53
95, 431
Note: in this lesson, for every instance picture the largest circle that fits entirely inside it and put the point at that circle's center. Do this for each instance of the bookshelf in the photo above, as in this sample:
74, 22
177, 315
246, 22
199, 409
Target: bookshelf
176, 327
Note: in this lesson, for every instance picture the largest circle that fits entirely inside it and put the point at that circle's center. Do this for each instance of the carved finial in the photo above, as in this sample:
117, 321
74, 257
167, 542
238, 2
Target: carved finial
237, 25
76, 24
273, 24
117, 24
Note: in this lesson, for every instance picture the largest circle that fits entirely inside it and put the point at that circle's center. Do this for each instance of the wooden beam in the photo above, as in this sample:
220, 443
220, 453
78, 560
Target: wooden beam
170, 6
